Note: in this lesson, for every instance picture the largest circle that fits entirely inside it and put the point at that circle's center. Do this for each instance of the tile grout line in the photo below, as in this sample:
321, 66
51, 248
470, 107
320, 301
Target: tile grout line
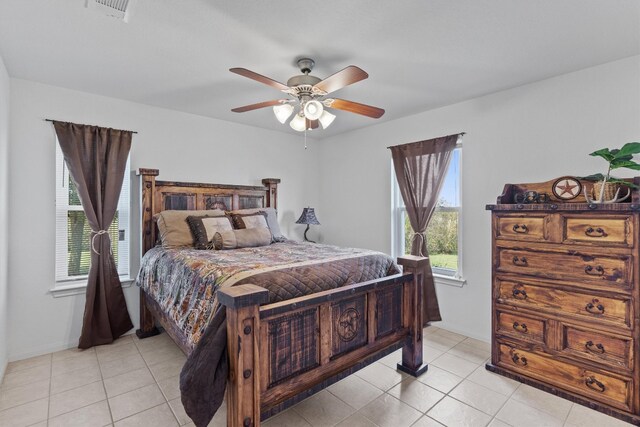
492, 417
50, 386
75, 388
6, 388
105, 389
495, 417
369, 419
386, 392
565, 417
564, 422
148, 409
81, 407
159, 388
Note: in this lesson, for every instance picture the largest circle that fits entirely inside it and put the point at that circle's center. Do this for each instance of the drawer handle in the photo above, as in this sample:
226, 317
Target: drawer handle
522, 229
594, 384
519, 293
593, 308
519, 360
520, 327
519, 261
595, 232
597, 271
599, 348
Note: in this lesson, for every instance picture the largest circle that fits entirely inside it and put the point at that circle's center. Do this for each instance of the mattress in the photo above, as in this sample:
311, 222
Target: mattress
184, 282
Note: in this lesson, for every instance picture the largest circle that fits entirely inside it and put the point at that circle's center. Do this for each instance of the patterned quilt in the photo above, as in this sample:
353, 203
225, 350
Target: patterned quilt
184, 281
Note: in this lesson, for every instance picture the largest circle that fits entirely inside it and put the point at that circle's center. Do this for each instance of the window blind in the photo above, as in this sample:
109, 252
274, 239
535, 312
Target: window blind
73, 233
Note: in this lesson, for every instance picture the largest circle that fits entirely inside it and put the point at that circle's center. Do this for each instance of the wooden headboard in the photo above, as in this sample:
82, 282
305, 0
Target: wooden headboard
158, 196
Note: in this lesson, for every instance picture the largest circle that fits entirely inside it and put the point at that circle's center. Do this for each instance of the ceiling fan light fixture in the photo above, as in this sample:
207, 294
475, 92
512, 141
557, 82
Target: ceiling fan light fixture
283, 112
308, 102
326, 119
298, 123
313, 110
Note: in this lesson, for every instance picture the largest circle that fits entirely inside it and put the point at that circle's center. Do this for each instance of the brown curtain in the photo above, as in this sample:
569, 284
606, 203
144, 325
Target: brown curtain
97, 158
420, 170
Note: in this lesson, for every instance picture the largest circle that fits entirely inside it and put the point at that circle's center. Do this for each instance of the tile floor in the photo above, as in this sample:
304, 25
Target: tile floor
135, 383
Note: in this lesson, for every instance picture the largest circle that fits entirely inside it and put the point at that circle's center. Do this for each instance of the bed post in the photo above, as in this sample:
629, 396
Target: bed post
243, 333
148, 187
412, 362
272, 194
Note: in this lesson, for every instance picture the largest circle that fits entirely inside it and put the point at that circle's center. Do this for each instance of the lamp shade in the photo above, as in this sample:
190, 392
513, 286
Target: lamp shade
283, 112
313, 110
326, 119
308, 217
298, 123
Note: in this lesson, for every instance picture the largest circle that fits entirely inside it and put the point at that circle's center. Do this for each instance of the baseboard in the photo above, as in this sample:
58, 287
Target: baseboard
49, 348
444, 325
39, 351
3, 369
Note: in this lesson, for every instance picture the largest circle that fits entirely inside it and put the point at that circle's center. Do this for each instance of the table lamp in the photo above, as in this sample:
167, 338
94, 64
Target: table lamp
308, 217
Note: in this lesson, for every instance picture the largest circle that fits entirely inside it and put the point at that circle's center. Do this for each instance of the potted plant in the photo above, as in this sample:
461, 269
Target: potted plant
607, 187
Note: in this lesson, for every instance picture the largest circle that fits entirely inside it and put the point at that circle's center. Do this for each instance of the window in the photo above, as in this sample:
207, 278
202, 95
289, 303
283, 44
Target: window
73, 233
443, 233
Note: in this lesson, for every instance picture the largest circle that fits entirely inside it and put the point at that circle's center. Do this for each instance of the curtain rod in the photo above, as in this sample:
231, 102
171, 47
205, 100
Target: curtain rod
459, 134
50, 120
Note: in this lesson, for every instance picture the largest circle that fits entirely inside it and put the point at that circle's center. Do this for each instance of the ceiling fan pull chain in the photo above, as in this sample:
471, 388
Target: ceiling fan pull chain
305, 138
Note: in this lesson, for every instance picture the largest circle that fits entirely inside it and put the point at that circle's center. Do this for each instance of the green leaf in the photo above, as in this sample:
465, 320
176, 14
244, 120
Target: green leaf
627, 157
628, 149
604, 153
617, 164
595, 177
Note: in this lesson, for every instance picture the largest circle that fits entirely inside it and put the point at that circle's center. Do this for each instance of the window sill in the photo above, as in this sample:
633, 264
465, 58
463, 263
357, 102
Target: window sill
440, 279
80, 287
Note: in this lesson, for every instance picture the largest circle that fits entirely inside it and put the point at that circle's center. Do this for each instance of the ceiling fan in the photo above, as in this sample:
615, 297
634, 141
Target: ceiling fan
309, 93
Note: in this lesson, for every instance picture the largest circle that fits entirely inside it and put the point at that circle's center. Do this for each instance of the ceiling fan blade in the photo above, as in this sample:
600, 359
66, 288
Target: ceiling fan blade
342, 78
259, 105
259, 78
311, 124
355, 107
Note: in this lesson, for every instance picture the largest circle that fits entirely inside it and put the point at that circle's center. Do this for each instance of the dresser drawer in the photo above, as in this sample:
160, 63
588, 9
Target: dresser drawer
606, 349
579, 305
604, 387
598, 230
521, 327
571, 266
532, 227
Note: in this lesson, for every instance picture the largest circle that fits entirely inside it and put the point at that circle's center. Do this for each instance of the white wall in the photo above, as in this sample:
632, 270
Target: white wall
183, 146
531, 133
528, 134
4, 222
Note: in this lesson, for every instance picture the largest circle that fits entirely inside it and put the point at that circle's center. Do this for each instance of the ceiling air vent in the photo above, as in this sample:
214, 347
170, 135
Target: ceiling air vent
114, 8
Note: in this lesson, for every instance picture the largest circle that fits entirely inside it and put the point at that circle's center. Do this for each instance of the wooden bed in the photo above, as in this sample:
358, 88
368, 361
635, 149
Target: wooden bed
342, 330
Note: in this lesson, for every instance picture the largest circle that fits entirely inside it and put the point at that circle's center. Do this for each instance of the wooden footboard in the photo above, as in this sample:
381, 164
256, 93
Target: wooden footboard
281, 353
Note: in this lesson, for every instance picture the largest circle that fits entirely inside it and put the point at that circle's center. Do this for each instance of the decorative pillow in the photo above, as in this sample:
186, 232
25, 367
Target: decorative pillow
244, 238
203, 229
174, 229
272, 221
253, 220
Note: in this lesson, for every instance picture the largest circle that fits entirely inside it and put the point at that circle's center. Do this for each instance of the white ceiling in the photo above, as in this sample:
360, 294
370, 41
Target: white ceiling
419, 54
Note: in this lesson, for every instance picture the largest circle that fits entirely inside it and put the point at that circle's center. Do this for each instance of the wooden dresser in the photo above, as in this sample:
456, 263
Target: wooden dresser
565, 297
